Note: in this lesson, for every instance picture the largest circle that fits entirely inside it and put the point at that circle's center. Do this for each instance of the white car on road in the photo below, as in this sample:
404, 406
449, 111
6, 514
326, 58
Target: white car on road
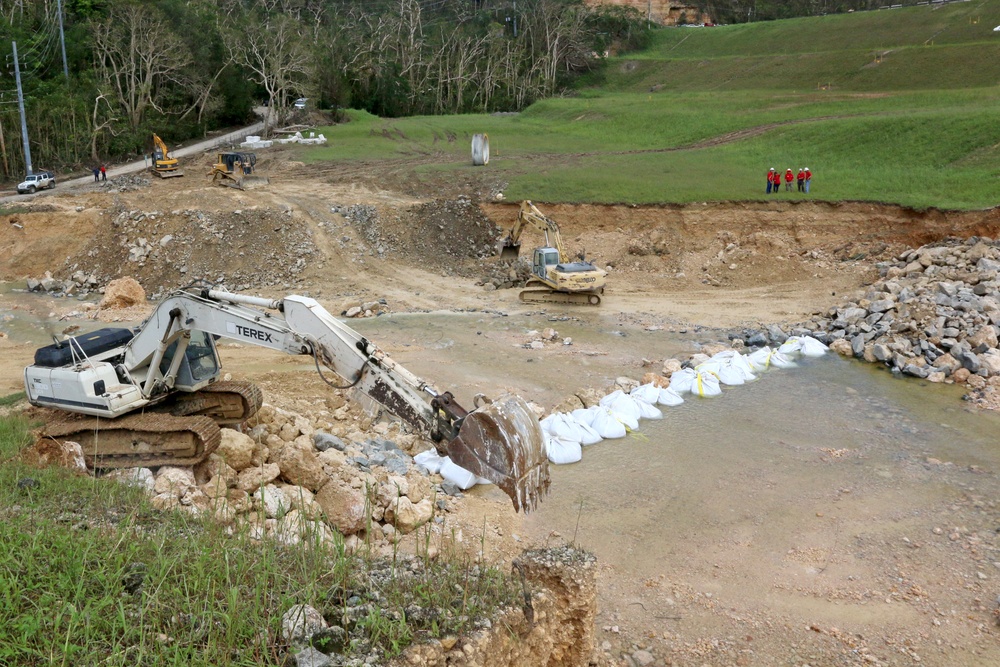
33, 182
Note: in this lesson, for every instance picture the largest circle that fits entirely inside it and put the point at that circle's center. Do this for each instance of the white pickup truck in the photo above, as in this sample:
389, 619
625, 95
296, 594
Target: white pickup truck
33, 182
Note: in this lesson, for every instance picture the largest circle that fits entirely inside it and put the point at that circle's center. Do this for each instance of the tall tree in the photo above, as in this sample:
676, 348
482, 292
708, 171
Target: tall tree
137, 55
274, 52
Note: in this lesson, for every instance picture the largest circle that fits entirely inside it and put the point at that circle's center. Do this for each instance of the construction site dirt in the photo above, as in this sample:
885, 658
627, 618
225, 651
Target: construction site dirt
423, 250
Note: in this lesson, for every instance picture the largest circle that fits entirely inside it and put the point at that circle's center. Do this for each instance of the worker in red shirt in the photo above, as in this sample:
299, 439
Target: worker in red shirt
789, 177
800, 179
770, 180
808, 178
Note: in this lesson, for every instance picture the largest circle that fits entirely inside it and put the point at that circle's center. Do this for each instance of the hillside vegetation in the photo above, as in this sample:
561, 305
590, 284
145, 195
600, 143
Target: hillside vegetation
703, 113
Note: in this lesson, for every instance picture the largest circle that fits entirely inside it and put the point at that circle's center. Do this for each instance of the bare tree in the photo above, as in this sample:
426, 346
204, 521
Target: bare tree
137, 55
99, 125
274, 53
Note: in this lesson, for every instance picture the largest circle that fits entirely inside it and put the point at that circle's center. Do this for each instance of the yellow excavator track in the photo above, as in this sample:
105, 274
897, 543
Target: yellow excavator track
140, 440
548, 295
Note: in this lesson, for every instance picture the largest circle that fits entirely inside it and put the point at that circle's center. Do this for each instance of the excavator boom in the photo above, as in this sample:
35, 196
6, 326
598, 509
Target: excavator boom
171, 360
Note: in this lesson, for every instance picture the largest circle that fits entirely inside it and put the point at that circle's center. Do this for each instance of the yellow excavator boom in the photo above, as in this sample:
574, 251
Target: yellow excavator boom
163, 165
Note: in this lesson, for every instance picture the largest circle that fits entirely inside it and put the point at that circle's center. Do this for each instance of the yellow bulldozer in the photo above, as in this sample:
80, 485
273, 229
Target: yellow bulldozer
236, 170
554, 278
163, 165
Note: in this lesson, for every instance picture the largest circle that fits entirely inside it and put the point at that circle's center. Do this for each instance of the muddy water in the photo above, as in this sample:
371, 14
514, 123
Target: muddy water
791, 500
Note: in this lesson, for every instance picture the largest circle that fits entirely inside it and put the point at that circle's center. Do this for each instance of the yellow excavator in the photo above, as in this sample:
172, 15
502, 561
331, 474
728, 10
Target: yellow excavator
163, 165
554, 278
236, 170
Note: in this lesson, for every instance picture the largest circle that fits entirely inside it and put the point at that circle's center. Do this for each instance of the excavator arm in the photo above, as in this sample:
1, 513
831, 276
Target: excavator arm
529, 216
500, 441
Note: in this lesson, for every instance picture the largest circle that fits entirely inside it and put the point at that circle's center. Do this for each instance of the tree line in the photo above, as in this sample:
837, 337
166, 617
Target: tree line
182, 68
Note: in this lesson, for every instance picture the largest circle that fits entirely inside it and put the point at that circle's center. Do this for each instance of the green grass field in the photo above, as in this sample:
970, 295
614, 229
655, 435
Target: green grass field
919, 127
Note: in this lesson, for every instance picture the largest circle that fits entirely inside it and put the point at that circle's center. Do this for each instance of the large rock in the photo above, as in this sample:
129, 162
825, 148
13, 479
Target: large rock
406, 516
174, 480
272, 501
301, 465
48, 452
122, 293
985, 336
300, 623
251, 479
344, 507
236, 449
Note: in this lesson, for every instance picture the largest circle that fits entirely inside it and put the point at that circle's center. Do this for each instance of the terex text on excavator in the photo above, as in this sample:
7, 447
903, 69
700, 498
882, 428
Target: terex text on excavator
152, 395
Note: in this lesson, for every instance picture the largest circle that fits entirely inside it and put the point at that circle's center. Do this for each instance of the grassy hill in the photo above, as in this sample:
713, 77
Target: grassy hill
895, 106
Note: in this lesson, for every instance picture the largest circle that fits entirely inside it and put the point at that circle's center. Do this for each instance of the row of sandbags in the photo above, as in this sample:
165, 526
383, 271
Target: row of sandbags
618, 413
566, 434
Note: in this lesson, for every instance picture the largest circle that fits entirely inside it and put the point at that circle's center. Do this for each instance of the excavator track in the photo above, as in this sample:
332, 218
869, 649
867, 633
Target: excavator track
546, 295
140, 440
227, 403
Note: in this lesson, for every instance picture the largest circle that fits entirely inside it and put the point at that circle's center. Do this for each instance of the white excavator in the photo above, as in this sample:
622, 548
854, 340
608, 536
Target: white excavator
554, 277
152, 395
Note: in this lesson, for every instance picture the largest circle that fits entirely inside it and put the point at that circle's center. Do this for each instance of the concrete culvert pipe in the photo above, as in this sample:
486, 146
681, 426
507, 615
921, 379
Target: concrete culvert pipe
480, 149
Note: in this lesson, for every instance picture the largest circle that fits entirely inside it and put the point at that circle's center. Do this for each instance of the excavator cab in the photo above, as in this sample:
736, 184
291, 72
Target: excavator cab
543, 259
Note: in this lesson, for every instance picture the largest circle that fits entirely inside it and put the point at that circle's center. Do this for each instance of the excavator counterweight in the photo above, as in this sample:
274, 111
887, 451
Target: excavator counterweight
154, 395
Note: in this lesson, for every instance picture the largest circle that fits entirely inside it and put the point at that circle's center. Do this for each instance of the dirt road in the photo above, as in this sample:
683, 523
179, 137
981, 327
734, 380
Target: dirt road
348, 235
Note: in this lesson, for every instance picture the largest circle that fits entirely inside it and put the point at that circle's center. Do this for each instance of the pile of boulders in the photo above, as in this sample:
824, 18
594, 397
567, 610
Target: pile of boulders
354, 308
505, 275
286, 480
935, 314
79, 284
538, 340
125, 183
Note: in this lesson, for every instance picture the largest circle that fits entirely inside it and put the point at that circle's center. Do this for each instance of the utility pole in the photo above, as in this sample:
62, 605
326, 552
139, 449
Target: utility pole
20, 106
62, 38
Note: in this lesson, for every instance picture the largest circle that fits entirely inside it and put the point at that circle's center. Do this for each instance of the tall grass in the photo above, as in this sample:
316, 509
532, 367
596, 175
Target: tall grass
90, 574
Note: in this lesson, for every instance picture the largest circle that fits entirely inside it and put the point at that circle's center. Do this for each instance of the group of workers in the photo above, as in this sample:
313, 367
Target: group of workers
803, 178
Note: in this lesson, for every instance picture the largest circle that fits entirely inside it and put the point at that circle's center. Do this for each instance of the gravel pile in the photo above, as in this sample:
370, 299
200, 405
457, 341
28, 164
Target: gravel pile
243, 249
934, 314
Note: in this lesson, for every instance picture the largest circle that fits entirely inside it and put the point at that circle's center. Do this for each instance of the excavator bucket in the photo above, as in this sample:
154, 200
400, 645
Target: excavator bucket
503, 442
509, 249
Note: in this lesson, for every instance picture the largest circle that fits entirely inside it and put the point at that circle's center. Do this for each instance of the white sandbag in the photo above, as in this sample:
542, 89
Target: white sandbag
430, 460
561, 451
765, 358
566, 428
648, 410
608, 426
740, 362
791, 346
697, 382
727, 375
779, 360
585, 416
458, 475
590, 436
646, 392
682, 381
669, 397
812, 347
623, 407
